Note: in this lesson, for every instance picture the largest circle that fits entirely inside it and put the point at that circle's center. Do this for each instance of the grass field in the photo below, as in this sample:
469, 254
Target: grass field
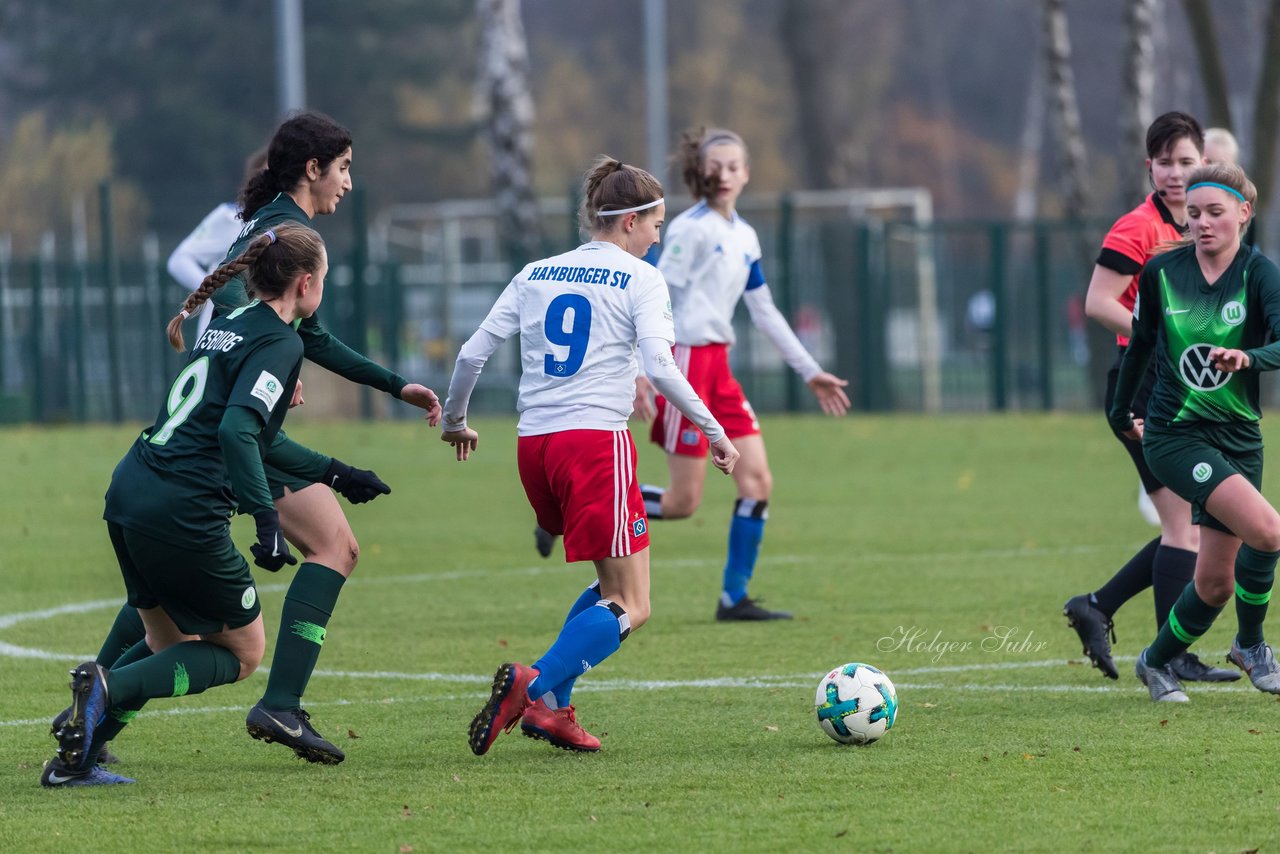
940, 550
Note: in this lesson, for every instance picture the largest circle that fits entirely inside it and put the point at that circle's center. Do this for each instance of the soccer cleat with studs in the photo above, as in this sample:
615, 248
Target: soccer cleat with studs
293, 729
1259, 663
508, 700
105, 756
89, 701
1096, 632
560, 727
1163, 686
57, 775
1188, 667
748, 610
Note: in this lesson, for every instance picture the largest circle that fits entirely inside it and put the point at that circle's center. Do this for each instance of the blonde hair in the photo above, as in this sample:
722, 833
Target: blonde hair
1224, 139
272, 261
1228, 175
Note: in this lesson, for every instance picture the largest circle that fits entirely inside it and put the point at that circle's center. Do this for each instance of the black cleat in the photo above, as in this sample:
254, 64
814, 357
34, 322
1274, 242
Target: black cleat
1189, 668
89, 703
748, 610
1093, 627
293, 729
105, 756
543, 541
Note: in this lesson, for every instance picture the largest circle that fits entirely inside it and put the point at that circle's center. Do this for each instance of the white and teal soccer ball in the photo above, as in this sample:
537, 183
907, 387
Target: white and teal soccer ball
856, 704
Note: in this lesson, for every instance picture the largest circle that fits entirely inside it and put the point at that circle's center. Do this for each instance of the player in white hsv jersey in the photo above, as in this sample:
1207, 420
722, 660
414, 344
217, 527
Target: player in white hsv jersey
580, 317
201, 251
711, 260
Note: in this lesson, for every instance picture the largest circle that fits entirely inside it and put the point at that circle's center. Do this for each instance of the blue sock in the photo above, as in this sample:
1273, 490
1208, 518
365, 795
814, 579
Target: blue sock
560, 694
745, 532
584, 642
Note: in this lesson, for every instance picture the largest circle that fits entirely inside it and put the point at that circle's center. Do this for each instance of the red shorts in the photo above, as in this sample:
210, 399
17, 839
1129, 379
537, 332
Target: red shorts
582, 484
707, 369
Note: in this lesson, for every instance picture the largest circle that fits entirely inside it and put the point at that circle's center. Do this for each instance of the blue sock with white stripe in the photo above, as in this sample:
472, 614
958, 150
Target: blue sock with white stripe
558, 697
745, 533
584, 642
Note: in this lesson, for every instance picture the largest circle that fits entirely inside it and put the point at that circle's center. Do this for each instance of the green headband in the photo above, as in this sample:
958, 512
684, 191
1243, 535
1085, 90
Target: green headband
1232, 190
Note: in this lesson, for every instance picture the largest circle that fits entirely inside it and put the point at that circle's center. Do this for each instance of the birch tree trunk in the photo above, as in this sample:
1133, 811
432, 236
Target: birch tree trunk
1139, 86
505, 104
1066, 114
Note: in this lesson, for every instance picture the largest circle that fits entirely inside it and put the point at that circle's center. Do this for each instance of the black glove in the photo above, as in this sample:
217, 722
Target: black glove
270, 551
356, 485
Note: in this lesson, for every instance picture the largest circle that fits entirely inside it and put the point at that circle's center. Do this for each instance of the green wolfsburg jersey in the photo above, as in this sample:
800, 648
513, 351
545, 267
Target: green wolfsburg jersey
1180, 317
320, 346
173, 484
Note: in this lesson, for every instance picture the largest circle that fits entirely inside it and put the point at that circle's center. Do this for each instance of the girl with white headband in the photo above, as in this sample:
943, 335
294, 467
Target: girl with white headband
580, 317
711, 261
1206, 310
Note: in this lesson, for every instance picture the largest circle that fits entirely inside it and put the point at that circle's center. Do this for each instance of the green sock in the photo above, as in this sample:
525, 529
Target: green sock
1190, 618
184, 668
307, 608
126, 631
118, 716
1255, 573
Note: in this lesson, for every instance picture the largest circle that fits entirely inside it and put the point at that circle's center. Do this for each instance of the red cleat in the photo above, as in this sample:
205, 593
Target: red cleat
558, 726
507, 702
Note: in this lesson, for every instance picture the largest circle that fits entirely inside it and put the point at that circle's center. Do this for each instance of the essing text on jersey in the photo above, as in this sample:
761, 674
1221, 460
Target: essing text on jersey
218, 340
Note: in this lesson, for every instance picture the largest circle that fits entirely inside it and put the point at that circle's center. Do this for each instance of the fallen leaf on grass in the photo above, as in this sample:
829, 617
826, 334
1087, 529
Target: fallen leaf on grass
456, 779
593, 818
1255, 732
405, 849
502, 642
405, 812
929, 705
1164, 723
352, 734
771, 728
842, 833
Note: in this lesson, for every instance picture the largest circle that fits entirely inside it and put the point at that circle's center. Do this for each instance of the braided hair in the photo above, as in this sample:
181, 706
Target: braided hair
272, 261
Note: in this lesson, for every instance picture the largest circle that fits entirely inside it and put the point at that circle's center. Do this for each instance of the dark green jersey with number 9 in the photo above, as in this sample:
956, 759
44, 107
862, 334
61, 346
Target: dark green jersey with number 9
174, 483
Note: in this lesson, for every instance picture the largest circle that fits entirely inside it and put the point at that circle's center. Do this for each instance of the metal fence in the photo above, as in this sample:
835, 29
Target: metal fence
919, 315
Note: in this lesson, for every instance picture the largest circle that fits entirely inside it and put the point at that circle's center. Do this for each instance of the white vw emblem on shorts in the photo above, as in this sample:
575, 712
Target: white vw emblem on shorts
248, 598
1201, 472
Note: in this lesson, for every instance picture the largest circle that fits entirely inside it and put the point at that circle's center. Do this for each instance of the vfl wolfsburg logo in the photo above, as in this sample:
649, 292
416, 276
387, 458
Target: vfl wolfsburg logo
1197, 371
1201, 472
250, 596
1233, 313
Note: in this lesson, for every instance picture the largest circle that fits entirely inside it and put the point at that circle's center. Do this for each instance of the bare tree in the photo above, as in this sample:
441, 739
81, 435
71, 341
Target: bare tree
504, 101
1266, 122
1066, 109
1139, 85
1066, 114
1212, 73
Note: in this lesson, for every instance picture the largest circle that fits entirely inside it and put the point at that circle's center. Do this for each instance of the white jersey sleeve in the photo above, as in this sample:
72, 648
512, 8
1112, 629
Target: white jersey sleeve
765, 315
205, 247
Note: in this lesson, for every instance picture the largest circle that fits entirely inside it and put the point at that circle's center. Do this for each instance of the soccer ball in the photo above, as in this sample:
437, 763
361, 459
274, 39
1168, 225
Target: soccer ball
856, 704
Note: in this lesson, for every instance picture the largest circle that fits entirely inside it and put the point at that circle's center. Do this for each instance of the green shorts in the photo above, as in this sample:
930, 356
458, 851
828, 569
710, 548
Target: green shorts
1193, 459
278, 480
203, 590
